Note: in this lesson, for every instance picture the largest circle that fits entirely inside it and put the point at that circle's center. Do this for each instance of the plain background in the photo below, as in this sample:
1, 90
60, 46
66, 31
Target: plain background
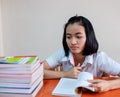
35, 27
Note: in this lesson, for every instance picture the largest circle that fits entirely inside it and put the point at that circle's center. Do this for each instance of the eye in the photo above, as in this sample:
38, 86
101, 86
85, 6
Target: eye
68, 37
79, 37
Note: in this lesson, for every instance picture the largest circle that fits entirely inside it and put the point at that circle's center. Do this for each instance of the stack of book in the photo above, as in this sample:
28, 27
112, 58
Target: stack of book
20, 76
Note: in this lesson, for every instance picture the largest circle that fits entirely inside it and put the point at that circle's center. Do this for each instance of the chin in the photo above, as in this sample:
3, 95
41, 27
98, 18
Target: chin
75, 51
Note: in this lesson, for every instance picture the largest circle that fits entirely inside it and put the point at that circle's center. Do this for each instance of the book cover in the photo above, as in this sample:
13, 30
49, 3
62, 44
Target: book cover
10, 60
14, 61
73, 87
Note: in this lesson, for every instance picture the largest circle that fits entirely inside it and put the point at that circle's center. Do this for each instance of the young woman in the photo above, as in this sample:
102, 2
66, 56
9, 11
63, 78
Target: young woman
80, 53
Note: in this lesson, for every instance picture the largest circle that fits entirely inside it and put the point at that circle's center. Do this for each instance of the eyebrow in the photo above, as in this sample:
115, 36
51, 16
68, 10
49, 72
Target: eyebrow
75, 33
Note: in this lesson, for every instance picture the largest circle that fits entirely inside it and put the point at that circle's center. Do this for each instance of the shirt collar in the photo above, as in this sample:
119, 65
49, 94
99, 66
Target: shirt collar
69, 58
88, 59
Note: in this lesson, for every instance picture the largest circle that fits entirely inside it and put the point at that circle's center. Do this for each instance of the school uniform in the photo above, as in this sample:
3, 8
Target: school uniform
96, 63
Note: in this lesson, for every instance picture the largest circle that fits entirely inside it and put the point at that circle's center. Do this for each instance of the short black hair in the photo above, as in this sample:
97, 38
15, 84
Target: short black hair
91, 45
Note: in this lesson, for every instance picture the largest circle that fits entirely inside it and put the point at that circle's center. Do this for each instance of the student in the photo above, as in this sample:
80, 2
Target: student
80, 53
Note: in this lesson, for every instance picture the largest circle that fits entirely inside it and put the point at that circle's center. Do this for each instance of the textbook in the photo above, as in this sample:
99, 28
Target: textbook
13, 60
20, 90
18, 61
73, 87
20, 70
20, 76
33, 94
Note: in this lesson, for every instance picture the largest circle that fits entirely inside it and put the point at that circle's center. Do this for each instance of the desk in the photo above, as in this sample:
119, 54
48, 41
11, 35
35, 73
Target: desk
49, 85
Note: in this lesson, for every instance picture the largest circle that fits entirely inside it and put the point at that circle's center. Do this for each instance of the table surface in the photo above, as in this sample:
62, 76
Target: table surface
49, 85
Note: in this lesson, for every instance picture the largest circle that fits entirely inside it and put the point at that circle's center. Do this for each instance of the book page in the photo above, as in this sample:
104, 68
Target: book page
83, 80
69, 86
66, 87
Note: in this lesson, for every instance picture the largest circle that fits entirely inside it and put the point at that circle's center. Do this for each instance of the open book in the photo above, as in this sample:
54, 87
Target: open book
73, 87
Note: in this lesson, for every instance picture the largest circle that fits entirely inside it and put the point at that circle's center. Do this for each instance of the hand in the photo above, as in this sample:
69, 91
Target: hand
100, 85
74, 72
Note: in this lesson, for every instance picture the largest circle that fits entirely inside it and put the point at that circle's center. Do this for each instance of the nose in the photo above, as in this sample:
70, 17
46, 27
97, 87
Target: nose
73, 41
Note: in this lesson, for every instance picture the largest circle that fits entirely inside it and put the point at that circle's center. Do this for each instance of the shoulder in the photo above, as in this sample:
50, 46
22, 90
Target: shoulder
101, 56
60, 52
57, 54
55, 59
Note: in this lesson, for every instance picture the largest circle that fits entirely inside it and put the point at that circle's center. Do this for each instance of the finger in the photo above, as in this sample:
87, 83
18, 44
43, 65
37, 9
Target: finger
78, 65
79, 68
94, 81
96, 88
93, 85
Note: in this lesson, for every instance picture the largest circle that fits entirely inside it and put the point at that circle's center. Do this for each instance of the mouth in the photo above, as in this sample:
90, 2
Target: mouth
73, 47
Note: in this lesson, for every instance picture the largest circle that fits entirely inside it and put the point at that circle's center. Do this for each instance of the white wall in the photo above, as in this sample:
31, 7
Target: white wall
1, 38
36, 26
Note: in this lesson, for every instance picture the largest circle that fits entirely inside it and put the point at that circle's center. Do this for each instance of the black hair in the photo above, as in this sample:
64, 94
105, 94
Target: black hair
91, 45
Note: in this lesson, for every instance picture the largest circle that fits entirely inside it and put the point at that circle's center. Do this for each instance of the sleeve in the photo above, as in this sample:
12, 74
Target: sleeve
108, 65
55, 59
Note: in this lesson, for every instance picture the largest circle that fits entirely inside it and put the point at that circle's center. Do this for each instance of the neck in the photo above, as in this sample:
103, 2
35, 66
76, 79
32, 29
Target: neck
79, 58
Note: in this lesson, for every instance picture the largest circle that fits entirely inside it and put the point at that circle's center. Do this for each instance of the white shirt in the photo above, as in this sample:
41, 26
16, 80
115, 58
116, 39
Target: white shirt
96, 63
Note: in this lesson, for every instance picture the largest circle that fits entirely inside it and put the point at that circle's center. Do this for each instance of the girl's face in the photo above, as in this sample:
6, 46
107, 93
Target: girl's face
75, 38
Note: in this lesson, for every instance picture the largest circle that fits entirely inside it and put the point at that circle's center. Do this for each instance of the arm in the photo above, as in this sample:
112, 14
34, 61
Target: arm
107, 64
105, 85
114, 84
51, 74
110, 67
